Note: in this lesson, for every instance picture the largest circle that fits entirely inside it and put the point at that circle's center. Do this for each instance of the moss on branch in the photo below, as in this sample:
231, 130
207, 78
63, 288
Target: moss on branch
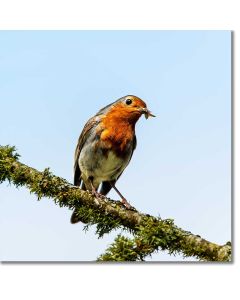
150, 233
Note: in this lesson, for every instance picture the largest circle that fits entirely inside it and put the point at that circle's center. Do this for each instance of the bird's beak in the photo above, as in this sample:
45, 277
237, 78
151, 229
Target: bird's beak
147, 113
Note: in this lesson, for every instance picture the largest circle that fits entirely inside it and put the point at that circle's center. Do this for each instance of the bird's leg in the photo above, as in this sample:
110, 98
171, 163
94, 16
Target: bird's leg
94, 191
123, 199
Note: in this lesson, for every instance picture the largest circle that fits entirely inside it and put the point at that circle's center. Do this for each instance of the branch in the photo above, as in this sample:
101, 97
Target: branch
151, 233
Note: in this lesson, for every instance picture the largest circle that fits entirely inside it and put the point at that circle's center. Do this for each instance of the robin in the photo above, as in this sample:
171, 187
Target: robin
105, 147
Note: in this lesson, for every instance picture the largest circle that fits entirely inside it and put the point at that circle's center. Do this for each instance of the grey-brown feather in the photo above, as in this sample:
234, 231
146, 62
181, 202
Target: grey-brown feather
91, 123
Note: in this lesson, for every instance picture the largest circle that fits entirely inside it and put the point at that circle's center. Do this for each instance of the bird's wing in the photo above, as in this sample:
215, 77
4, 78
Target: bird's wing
106, 185
91, 123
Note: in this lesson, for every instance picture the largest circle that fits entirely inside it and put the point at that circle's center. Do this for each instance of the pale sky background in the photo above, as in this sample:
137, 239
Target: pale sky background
52, 82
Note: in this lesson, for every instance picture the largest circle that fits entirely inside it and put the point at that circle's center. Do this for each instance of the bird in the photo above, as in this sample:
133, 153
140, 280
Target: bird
105, 147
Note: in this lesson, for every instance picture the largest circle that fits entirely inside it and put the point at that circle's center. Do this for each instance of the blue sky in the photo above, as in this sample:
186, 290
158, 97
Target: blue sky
51, 82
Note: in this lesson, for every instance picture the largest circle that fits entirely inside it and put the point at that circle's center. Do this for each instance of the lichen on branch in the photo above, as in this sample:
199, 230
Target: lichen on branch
150, 234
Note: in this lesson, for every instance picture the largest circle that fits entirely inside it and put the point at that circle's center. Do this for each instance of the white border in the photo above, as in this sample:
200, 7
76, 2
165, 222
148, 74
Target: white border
128, 281
124, 14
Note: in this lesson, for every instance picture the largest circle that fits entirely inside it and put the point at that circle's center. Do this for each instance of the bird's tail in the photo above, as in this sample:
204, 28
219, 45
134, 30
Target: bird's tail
75, 218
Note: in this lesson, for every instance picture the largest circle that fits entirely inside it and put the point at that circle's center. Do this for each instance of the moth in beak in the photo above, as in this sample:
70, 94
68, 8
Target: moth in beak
147, 113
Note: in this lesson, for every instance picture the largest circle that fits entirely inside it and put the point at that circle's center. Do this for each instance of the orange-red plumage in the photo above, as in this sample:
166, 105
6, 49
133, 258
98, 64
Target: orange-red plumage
119, 123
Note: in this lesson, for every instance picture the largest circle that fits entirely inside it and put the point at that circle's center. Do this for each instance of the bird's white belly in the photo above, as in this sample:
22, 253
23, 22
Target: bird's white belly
108, 166
101, 167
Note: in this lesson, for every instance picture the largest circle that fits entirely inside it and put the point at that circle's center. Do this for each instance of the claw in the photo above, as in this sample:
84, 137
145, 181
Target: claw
126, 204
98, 195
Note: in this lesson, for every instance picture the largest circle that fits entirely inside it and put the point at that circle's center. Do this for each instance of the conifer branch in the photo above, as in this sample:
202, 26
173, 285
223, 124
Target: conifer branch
150, 233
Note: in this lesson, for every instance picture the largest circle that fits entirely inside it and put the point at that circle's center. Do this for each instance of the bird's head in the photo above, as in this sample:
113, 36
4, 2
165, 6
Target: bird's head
130, 108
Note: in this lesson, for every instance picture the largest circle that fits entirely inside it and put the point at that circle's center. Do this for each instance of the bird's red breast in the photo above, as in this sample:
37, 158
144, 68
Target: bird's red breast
118, 124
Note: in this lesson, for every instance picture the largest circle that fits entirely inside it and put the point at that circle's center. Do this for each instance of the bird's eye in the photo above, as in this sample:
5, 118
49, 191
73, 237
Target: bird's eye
128, 101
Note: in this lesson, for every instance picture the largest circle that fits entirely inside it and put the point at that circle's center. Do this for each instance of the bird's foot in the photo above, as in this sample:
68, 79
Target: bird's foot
98, 195
126, 204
